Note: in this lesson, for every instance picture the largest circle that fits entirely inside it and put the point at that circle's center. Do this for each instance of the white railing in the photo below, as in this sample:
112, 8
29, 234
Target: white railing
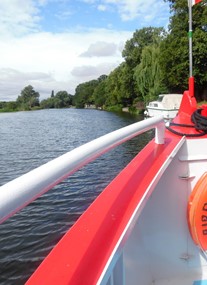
23, 190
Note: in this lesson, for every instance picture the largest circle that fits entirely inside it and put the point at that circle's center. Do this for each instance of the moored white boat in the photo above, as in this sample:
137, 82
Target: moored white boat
167, 105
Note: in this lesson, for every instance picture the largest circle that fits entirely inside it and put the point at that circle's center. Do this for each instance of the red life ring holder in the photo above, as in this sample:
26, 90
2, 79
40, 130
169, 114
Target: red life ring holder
197, 213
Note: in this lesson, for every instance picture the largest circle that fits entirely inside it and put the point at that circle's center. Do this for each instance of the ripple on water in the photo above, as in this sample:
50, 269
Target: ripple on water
29, 139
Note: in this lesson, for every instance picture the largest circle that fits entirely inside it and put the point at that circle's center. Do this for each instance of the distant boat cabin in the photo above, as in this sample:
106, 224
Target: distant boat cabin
166, 105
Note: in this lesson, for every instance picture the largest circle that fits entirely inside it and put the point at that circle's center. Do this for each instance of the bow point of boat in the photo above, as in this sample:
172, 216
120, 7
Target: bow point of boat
148, 226
139, 231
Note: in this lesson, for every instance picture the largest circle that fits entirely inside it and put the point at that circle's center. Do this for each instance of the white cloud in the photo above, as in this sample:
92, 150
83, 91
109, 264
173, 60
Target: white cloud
93, 71
52, 61
13, 81
129, 10
17, 17
100, 49
102, 8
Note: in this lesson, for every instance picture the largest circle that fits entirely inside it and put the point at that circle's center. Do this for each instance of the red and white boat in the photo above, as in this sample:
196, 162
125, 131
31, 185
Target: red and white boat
149, 225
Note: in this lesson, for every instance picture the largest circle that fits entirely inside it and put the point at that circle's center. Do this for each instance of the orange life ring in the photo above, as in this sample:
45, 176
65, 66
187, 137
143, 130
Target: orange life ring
197, 212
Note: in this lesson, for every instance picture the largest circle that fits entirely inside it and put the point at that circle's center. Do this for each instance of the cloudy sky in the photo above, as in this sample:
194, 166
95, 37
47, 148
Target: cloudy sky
57, 44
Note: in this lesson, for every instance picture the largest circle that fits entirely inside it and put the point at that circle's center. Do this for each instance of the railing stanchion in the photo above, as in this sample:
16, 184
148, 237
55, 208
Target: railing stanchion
160, 133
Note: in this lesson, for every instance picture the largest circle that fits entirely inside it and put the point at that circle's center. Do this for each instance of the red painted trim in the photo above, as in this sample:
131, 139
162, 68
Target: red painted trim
188, 105
196, 2
187, 108
81, 255
191, 86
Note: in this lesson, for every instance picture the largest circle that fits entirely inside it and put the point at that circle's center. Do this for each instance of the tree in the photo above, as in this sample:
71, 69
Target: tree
8, 106
102, 78
28, 99
141, 38
84, 93
47, 103
132, 54
174, 49
113, 87
128, 86
99, 93
174, 62
62, 99
148, 74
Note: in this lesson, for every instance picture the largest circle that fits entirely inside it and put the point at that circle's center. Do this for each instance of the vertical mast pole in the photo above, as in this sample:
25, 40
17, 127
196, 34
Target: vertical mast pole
190, 35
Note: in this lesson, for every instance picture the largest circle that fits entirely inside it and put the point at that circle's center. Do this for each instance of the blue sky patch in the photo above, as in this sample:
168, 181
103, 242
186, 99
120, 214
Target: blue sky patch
200, 282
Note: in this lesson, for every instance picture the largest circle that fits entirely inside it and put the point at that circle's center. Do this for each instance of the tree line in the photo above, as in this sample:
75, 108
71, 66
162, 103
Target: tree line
29, 100
155, 61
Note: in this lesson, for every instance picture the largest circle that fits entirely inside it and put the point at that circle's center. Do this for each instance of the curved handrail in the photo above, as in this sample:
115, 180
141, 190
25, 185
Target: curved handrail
21, 191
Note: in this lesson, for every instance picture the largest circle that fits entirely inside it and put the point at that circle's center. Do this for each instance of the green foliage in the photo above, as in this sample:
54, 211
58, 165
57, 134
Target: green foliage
174, 57
128, 92
99, 94
174, 62
84, 93
141, 38
200, 57
120, 86
135, 55
148, 74
47, 103
61, 100
114, 108
8, 106
113, 87
28, 99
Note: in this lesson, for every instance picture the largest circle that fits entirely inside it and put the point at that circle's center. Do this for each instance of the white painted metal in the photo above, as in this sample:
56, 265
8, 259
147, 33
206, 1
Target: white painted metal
158, 249
167, 114
125, 238
18, 193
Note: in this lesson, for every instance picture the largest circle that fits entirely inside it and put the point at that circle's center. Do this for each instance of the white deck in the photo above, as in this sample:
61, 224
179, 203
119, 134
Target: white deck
160, 249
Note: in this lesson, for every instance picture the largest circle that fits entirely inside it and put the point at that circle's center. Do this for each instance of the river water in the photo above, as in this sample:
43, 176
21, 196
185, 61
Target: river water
29, 139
